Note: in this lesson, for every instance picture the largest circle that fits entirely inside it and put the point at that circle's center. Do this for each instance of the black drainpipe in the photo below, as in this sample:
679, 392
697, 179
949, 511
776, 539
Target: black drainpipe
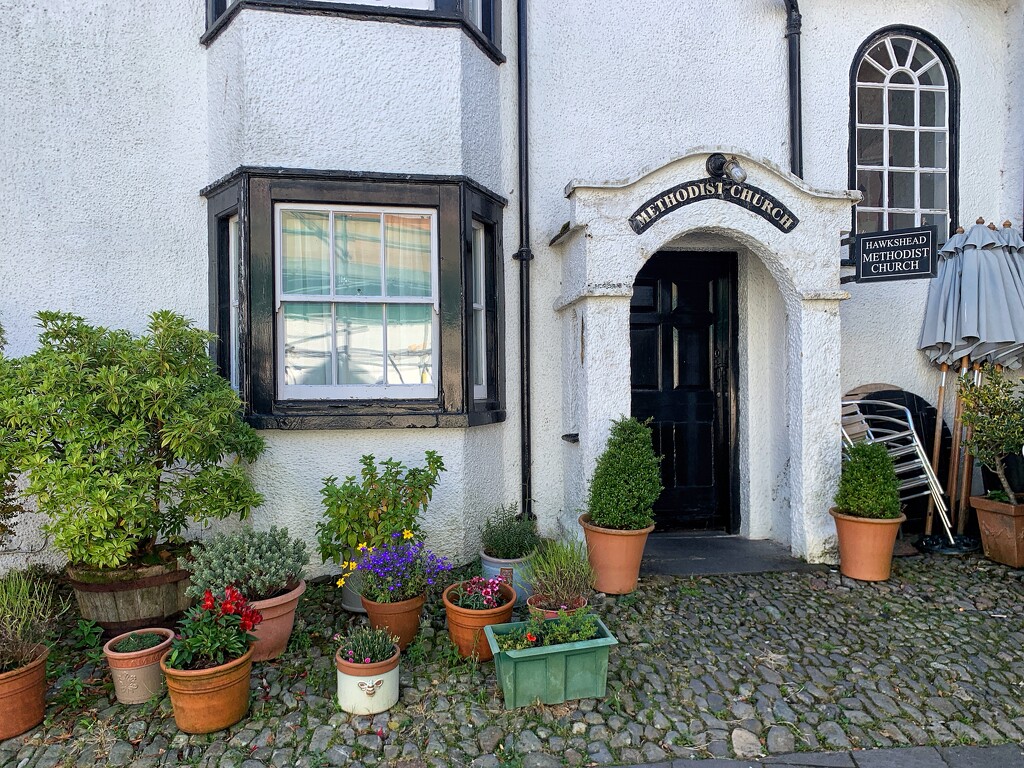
796, 137
524, 256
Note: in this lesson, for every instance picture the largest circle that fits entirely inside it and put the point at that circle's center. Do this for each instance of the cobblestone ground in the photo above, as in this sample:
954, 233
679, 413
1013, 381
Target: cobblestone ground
711, 666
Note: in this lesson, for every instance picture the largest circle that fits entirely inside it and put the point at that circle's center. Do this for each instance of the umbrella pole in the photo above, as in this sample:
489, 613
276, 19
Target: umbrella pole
936, 446
954, 456
968, 469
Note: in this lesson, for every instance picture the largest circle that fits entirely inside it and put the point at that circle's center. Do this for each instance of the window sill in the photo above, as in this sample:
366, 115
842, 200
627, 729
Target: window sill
356, 11
380, 419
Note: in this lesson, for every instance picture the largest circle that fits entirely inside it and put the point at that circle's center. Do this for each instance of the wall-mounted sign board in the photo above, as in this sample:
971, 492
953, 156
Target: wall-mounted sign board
899, 254
746, 196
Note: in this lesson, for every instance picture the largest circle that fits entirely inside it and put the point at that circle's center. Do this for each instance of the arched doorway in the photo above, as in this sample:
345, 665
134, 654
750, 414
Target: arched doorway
683, 378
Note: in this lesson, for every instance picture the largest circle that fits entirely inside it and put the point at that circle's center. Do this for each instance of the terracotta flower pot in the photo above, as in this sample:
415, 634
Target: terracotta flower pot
1002, 530
278, 619
208, 700
23, 697
615, 556
544, 613
137, 676
401, 619
366, 689
865, 545
466, 626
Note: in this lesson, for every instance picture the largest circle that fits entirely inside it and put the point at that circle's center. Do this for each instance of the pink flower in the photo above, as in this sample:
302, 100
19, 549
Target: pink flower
366, 660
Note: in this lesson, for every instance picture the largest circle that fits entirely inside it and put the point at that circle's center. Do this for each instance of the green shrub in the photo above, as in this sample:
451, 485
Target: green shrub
260, 564
539, 633
29, 613
627, 479
385, 499
366, 645
124, 439
868, 486
560, 574
508, 535
994, 414
138, 641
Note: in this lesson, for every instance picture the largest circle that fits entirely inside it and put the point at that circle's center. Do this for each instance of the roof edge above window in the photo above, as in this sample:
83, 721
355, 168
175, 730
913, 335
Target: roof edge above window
440, 17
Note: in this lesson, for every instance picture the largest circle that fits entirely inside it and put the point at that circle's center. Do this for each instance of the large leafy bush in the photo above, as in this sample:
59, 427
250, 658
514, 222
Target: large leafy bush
868, 486
124, 439
261, 564
627, 479
994, 414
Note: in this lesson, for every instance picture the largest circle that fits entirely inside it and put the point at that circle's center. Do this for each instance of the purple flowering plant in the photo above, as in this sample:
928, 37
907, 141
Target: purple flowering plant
400, 570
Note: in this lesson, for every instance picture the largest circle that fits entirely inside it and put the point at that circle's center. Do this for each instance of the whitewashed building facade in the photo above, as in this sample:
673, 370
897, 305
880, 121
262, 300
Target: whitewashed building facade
336, 189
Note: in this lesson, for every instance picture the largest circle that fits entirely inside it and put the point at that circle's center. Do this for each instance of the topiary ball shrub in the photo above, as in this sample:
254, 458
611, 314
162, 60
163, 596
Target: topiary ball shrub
868, 486
627, 479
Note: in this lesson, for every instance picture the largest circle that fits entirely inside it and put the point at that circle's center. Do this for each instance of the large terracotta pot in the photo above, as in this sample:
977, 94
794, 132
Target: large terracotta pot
865, 545
580, 604
23, 697
366, 689
466, 626
273, 632
1002, 530
615, 556
123, 599
208, 700
137, 676
512, 571
401, 619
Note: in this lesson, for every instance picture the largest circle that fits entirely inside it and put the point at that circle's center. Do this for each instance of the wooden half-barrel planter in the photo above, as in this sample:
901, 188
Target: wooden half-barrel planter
554, 673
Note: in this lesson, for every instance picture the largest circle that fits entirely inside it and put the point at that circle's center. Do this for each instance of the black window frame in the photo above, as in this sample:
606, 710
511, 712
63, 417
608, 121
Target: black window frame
253, 193
953, 129
446, 13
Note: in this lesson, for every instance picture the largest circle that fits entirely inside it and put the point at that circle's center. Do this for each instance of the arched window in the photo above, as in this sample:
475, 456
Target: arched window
903, 155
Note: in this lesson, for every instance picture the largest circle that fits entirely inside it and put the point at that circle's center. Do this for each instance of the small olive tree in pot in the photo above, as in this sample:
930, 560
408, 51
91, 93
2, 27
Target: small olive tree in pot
125, 440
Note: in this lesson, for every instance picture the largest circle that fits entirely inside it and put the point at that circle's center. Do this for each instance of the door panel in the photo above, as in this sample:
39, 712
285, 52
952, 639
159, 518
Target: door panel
681, 351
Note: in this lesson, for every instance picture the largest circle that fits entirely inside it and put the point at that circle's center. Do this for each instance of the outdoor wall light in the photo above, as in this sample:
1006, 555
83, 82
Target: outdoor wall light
720, 166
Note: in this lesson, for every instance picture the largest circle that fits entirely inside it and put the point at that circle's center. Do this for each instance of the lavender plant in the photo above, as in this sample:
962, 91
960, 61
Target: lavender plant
400, 570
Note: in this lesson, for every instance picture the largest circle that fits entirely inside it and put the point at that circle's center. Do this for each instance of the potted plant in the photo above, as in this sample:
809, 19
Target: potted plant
134, 660
396, 578
561, 577
551, 660
472, 605
125, 440
209, 662
620, 504
507, 540
993, 413
267, 568
867, 512
28, 616
367, 664
363, 513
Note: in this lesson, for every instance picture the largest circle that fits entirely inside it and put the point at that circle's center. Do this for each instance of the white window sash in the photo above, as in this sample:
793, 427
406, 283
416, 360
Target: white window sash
479, 308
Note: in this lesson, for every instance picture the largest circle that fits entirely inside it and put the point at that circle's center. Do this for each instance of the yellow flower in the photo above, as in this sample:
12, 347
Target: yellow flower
362, 547
406, 533
341, 582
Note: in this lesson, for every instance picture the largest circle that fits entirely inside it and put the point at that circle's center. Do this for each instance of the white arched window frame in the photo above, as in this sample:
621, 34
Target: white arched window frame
902, 139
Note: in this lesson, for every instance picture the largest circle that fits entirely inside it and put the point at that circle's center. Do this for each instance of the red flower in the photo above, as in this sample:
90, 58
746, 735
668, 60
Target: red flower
531, 637
208, 601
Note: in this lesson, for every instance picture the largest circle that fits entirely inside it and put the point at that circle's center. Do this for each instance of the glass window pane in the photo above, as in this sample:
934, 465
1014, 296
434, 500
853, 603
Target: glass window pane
901, 49
901, 190
933, 150
305, 246
869, 106
902, 220
357, 254
407, 254
933, 108
360, 343
901, 107
933, 75
940, 221
869, 221
902, 78
307, 343
479, 344
869, 147
869, 73
410, 344
901, 148
922, 56
880, 53
933, 190
870, 184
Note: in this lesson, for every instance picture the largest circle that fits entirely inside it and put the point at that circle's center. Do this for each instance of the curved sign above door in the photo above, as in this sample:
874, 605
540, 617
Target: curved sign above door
747, 196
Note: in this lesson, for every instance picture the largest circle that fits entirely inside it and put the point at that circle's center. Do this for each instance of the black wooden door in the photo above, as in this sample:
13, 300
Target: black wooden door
682, 360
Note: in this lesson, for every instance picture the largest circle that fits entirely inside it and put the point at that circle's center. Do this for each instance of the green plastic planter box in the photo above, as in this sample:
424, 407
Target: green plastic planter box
553, 674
